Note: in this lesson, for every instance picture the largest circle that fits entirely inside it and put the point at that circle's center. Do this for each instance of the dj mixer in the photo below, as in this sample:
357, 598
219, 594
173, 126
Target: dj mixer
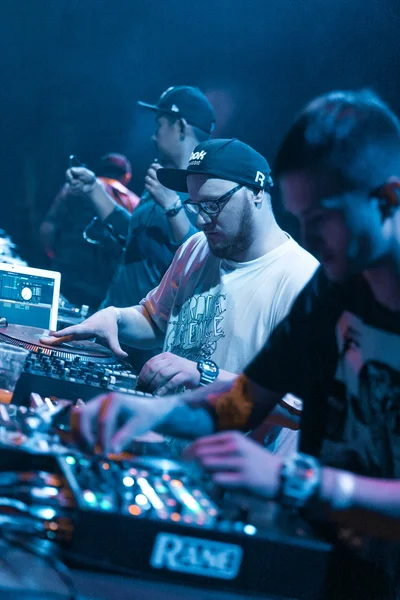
72, 370
147, 511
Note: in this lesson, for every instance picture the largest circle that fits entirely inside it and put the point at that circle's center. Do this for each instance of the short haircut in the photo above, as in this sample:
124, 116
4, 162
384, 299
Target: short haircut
200, 135
352, 133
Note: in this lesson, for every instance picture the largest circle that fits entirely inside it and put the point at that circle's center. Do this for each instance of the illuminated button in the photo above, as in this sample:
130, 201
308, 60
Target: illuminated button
128, 481
89, 497
188, 519
44, 492
105, 505
171, 502
250, 529
176, 483
175, 517
212, 512
166, 477
132, 471
70, 460
106, 466
134, 510
141, 500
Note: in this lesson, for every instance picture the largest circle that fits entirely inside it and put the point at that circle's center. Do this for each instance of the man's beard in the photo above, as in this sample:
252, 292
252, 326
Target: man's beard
240, 242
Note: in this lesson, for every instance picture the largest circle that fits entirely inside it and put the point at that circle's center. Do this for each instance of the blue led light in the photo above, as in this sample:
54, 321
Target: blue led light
128, 481
89, 497
105, 505
70, 460
250, 529
141, 500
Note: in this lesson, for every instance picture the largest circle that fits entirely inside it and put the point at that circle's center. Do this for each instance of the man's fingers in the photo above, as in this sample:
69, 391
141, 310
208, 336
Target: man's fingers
115, 347
222, 463
162, 377
106, 424
135, 427
215, 439
52, 340
64, 335
174, 382
82, 419
150, 370
231, 479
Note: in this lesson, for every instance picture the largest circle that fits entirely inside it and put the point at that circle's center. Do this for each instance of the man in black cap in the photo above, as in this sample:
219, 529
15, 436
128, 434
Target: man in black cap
151, 236
227, 287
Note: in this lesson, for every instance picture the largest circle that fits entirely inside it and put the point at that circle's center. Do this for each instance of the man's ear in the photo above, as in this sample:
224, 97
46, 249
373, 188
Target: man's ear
258, 197
389, 196
182, 123
126, 178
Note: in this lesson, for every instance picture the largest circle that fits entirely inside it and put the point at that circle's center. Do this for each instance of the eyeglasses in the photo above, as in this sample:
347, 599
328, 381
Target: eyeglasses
211, 207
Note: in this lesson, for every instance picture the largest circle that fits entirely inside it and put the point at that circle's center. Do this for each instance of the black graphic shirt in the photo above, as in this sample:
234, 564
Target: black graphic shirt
339, 350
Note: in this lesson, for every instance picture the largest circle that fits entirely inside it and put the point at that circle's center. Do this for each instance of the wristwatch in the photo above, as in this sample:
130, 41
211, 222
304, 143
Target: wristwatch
300, 479
174, 209
208, 371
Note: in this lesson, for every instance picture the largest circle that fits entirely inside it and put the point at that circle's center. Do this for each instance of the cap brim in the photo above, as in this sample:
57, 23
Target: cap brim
149, 106
174, 179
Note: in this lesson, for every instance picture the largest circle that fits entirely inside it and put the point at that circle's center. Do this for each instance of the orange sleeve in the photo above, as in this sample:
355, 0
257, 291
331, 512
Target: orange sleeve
234, 408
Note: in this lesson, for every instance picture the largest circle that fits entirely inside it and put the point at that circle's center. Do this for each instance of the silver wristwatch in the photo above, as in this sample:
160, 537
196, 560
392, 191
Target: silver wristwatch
208, 371
300, 479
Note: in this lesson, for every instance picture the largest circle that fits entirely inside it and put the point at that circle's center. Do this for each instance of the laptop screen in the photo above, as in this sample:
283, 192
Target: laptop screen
29, 296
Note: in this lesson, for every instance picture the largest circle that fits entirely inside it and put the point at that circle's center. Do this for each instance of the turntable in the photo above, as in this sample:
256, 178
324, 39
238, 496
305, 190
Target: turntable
29, 338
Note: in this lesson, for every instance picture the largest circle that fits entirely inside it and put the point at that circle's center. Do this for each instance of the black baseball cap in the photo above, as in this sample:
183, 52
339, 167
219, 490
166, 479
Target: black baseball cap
224, 159
186, 102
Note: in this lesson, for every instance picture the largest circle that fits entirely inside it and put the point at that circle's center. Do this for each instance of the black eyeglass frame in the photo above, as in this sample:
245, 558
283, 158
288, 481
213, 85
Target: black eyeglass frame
219, 203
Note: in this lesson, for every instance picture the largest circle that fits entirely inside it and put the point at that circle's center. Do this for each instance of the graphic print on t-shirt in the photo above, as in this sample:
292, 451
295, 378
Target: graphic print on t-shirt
369, 371
195, 333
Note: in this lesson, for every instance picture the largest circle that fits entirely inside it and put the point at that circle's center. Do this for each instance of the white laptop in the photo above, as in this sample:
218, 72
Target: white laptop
29, 296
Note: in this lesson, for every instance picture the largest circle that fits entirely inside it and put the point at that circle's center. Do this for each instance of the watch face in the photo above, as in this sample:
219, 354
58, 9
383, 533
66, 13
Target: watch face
208, 366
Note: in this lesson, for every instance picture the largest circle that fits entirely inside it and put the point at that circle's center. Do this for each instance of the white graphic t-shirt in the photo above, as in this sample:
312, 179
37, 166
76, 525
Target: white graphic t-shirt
224, 310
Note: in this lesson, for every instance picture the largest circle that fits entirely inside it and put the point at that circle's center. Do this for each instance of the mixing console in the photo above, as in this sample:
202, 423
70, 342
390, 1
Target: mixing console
147, 511
71, 377
72, 369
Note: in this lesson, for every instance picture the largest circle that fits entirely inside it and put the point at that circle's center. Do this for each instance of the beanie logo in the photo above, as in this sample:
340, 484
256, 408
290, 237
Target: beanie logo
196, 158
260, 178
174, 108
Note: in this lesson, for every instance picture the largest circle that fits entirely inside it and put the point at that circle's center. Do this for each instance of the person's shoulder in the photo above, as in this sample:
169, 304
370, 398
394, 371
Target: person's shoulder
298, 265
300, 255
194, 246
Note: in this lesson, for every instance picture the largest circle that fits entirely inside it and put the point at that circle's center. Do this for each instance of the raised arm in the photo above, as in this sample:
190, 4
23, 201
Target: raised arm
83, 181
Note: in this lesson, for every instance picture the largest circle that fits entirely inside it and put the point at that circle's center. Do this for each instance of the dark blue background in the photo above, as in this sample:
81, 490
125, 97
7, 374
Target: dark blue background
72, 71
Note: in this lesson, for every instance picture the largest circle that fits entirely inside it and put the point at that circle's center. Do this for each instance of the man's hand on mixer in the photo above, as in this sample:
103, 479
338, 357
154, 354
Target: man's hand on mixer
166, 371
110, 422
103, 324
234, 461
